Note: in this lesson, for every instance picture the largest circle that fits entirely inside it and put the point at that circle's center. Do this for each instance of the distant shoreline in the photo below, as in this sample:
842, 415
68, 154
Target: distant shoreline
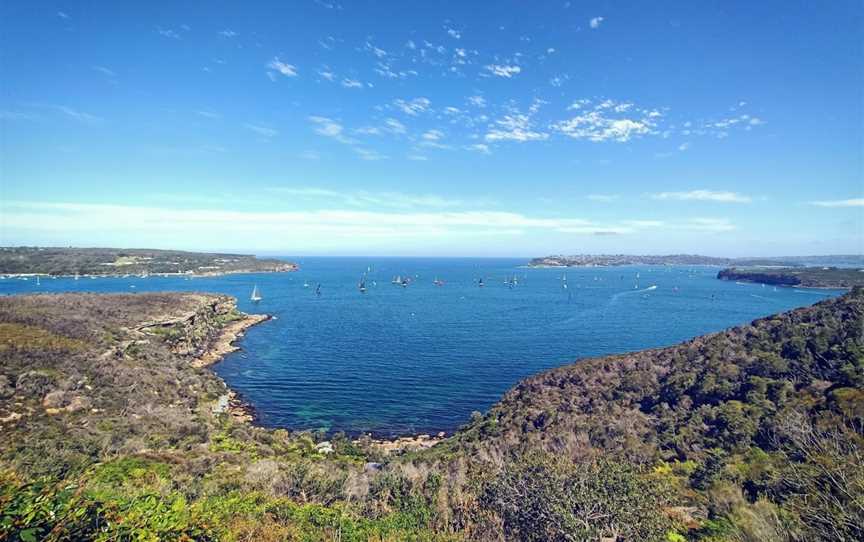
293, 268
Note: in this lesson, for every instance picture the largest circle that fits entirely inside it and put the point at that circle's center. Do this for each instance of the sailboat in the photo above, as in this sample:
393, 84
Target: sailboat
362, 284
480, 282
256, 295
37, 280
318, 290
564, 281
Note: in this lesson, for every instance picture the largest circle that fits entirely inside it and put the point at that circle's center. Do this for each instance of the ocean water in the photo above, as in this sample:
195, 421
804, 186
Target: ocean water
420, 359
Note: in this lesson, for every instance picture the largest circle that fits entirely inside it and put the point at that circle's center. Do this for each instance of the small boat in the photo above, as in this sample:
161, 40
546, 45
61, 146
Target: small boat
37, 280
306, 284
256, 295
480, 282
362, 285
564, 280
318, 290
438, 282
396, 280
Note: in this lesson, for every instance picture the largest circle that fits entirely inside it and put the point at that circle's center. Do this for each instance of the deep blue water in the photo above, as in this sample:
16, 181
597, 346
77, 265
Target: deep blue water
420, 359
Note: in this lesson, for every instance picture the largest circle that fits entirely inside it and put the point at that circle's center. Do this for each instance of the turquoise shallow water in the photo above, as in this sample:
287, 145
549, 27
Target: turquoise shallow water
420, 359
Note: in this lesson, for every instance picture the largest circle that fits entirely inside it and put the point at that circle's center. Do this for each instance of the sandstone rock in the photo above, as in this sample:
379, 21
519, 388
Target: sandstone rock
324, 447
55, 399
79, 402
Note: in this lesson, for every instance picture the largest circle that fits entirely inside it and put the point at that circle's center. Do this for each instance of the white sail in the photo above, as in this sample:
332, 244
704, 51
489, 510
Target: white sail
256, 295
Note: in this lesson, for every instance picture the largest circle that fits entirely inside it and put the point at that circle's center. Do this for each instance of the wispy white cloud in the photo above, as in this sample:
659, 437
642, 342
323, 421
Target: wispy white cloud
482, 148
351, 83
262, 130
369, 154
476, 101
327, 74
502, 70
228, 33
413, 107
704, 195
596, 22
330, 128
208, 114
329, 5
104, 70
607, 120
514, 127
393, 126
433, 135
168, 33
75, 114
288, 70
62, 15
854, 202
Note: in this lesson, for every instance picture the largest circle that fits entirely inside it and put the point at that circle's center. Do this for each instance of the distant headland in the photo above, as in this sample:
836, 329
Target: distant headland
808, 277
117, 261
608, 260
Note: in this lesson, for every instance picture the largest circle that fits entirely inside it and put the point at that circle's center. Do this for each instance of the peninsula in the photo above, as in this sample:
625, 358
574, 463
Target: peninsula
113, 428
115, 261
808, 277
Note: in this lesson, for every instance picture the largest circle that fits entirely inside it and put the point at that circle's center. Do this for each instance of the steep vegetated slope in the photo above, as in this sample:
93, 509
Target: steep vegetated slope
814, 277
753, 433
111, 430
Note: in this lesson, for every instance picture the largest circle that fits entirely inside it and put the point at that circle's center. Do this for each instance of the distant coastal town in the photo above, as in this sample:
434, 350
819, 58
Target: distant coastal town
119, 262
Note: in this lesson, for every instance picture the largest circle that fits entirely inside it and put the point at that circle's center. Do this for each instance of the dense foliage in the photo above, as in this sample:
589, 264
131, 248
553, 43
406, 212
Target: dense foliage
110, 433
111, 261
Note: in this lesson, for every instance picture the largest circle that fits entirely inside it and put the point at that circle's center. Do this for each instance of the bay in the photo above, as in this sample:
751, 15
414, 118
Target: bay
420, 359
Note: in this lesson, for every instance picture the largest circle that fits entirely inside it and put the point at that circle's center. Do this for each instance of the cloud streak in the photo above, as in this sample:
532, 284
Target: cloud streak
703, 195
854, 202
340, 226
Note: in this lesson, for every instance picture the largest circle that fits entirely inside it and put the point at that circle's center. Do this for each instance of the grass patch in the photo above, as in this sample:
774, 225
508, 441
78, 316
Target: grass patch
25, 337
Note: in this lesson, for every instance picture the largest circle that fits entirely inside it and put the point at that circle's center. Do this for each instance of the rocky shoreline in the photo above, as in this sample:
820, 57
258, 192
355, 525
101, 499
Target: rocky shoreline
224, 342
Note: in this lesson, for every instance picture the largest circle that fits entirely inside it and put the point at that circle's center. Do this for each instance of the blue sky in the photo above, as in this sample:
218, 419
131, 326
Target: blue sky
434, 128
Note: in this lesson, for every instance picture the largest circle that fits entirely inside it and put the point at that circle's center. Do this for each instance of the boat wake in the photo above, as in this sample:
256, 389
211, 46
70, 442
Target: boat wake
813, 292
630, 292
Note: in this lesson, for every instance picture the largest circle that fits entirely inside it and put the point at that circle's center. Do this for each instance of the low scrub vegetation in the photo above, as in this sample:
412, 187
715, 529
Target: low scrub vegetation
110, 433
